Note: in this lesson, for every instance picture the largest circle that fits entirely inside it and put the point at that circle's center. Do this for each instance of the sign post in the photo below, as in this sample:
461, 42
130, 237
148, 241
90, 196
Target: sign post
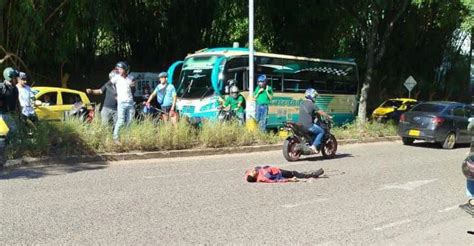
410, 84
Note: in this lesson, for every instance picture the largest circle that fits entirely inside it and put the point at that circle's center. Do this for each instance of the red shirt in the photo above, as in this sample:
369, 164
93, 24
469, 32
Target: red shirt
268, 174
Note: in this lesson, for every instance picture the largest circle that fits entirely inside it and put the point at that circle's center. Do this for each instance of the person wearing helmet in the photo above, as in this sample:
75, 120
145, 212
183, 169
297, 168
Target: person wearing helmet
308, 111
26, 99
468, 171
125, 105
166, 96
263, 95
235, 101
9, 98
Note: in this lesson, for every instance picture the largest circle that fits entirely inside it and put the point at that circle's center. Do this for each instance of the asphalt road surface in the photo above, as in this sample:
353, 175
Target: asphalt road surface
373, 194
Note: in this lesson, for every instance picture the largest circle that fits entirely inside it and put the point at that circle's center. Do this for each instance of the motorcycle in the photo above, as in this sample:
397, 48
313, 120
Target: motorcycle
143, 111
226, 115
300, 140
85, 112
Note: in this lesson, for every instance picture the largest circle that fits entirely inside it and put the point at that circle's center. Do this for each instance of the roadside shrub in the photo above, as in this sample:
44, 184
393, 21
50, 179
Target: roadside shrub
75, 137
370, 129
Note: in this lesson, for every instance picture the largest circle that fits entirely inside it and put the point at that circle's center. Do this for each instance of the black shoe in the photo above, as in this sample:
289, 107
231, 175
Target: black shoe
468, 208
317, 173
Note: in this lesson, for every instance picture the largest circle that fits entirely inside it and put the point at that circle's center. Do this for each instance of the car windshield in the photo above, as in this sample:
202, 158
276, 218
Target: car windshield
429, 108
391, 104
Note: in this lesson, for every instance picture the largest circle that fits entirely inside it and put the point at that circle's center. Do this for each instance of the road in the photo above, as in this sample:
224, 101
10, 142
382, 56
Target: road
377, 193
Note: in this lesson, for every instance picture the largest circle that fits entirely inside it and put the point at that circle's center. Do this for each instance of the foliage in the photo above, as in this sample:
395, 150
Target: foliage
74, 137
389, 40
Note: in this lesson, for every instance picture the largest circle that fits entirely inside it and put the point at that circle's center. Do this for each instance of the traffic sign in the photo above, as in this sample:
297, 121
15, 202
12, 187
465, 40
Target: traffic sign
410, 84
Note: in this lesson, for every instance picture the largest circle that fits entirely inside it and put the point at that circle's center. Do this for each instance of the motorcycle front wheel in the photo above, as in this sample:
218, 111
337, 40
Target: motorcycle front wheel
329, 147
290, 151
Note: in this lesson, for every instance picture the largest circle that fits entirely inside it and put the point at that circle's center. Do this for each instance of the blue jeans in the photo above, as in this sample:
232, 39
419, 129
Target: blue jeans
319, 133
261, 115
470, 188
125, 113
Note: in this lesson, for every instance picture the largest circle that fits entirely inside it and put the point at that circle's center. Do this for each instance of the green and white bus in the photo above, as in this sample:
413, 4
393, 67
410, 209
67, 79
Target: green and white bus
202, 77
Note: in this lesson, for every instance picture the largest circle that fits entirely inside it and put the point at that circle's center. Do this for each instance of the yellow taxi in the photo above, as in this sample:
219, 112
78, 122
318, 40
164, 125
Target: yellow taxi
55, 102
391, 109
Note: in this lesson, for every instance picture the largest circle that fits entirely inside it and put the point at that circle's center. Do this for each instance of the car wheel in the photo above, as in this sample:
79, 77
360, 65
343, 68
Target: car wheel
408, 141
449, 141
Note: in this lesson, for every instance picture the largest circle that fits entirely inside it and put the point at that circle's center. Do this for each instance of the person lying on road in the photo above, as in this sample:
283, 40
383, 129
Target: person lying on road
269, 174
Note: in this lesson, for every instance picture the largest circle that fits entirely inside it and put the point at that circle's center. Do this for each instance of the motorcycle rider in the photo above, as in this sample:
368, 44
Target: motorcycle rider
308, 111
235, 101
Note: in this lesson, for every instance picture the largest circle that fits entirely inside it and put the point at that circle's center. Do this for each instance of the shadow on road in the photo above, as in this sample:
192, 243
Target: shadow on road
436, 145
35, 172
321, 158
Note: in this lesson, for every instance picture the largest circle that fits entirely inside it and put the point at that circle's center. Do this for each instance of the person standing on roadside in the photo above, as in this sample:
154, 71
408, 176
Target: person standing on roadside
9, 98
26, 97
108, 113
263, 96
166, 95
125, 105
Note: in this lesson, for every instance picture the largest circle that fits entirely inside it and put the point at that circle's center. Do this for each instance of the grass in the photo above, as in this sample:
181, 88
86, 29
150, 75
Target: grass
369, 130
74, 137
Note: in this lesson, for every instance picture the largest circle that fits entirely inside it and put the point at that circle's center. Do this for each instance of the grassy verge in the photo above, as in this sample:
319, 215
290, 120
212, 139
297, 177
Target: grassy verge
73, 137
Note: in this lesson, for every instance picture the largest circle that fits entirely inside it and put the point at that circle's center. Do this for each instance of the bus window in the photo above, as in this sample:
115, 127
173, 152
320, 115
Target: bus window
294, 85
275, 82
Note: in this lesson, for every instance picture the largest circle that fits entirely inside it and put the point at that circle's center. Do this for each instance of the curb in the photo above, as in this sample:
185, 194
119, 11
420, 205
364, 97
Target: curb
106, 157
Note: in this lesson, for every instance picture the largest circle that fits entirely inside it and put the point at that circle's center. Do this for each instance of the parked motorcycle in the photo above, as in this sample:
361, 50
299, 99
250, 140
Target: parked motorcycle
300, 140
85, 112
226, 115
142, 111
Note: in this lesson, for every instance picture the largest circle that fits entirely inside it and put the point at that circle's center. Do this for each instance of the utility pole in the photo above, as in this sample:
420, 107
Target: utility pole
251, 109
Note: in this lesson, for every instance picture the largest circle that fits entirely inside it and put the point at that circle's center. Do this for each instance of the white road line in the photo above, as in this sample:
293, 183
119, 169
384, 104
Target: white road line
303, 203
409, 185
188, 174
217, 171
392, 225
167, 175
448, 209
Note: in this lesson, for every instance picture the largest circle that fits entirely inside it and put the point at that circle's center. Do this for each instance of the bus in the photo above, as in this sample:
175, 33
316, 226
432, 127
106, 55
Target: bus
204, 76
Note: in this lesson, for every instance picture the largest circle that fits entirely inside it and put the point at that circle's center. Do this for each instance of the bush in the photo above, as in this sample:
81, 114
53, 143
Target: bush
75, 137
370, 129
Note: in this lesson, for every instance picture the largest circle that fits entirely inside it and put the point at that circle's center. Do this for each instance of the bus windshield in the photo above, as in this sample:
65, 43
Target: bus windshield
195, 80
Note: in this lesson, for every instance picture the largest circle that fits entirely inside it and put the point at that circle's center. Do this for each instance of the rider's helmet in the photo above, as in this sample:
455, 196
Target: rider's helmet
311, 94
262, 80
468, 167
231, 82
234, 91
124, 65
163, 75
10, 73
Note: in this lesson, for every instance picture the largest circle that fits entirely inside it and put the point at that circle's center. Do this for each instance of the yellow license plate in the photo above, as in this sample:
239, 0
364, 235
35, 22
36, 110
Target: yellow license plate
414, 133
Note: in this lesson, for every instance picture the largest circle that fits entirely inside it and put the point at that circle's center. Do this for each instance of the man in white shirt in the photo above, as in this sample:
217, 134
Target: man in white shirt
125, 104
26, 99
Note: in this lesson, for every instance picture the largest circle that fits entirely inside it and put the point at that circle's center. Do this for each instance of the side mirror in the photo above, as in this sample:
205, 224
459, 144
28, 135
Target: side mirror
38, 103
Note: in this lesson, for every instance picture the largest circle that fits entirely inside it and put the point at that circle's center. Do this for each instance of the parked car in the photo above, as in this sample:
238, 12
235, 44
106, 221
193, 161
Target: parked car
57, 103
391, 109
437, 122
